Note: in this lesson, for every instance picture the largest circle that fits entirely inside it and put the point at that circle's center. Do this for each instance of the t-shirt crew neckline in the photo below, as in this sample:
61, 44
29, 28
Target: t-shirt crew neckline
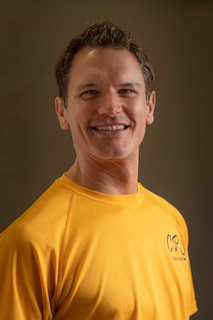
101, 197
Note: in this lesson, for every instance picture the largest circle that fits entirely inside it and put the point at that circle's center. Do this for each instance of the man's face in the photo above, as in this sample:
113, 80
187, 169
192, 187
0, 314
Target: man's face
106, 104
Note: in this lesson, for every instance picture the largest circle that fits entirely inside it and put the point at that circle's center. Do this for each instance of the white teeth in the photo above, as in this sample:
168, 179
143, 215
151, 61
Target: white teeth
111, 128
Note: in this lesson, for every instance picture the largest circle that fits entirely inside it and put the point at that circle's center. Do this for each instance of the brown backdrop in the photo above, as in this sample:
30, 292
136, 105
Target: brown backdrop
176, 155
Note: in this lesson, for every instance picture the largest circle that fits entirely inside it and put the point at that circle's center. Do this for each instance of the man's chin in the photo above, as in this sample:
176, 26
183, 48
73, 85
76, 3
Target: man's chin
116, 155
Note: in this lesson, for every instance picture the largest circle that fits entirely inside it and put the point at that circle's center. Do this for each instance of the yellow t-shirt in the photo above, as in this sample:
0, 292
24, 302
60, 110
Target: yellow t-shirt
83, 255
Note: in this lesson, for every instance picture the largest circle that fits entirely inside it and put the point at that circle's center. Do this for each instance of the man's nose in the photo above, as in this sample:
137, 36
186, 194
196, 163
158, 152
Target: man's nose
110, 104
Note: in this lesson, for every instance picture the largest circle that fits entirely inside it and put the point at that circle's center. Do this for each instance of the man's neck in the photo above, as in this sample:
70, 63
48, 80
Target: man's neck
106, 176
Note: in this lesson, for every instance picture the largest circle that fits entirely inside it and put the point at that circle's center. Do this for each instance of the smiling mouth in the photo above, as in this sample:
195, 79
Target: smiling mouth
110, 128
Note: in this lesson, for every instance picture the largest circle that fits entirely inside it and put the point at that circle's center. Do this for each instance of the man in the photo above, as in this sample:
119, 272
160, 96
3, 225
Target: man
98, 245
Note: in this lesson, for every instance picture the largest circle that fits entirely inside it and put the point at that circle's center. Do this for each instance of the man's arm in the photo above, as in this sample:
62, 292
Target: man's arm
23, 294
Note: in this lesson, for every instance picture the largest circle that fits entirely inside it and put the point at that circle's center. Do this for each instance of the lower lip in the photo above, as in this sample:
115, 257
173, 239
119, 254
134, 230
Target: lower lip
112, 133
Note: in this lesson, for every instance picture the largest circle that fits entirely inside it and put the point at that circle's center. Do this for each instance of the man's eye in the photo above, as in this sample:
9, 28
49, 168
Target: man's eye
125, 91
91, 91
89, 94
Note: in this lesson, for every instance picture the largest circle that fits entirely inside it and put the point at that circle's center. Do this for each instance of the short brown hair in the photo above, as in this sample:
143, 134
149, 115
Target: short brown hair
102, 35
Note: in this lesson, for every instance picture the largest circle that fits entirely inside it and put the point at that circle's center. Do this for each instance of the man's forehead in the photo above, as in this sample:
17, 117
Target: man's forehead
93, 67
96, 56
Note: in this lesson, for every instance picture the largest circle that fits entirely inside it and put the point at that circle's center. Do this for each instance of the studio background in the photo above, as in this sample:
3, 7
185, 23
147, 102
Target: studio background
176, 155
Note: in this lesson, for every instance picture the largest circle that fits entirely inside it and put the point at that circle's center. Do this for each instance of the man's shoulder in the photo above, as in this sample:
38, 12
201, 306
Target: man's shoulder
44, 219
162, 205
160, 201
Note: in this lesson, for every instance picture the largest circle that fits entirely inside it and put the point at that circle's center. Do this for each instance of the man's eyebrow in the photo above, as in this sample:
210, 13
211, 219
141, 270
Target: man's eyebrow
84, 86
130, 84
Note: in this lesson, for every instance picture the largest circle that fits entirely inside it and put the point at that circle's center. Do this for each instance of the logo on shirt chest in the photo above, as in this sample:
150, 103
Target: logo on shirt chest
176, 248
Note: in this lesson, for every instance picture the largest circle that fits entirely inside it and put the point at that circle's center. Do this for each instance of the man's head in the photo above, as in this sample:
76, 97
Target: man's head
105, 93
102, 35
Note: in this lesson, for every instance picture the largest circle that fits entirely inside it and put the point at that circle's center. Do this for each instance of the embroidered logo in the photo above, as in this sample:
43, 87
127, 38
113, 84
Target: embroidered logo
176, 248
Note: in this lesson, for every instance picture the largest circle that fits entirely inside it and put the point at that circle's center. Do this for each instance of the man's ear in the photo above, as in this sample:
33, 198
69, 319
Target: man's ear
61, 112
150, 108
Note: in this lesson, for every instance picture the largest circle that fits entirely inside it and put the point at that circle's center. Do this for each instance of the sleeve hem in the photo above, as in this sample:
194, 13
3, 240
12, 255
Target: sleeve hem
193, 308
